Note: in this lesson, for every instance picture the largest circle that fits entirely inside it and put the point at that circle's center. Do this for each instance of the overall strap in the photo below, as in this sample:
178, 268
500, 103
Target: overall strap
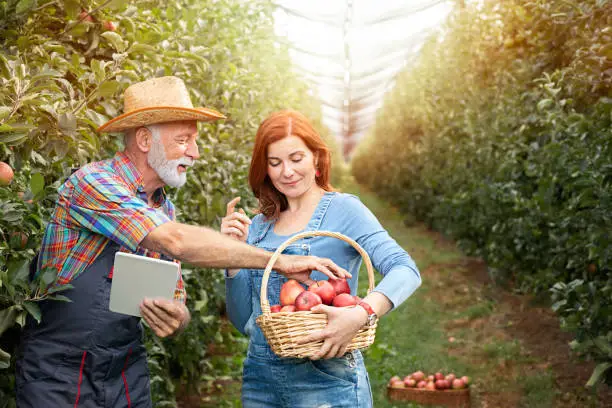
260, 230
317, 218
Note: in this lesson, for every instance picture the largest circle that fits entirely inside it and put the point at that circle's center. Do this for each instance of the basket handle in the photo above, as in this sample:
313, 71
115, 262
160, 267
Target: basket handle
265, 305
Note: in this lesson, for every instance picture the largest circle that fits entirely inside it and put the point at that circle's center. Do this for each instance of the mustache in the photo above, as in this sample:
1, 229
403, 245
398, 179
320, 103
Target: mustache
183, 161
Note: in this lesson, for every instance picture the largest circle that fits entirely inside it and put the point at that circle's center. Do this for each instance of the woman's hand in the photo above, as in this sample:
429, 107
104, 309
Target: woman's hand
342, 325
235, 223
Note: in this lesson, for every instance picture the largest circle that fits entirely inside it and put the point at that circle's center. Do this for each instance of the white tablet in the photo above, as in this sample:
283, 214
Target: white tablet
137, 277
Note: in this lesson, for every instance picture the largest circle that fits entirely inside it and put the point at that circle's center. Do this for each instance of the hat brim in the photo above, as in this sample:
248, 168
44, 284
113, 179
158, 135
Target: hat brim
158, 114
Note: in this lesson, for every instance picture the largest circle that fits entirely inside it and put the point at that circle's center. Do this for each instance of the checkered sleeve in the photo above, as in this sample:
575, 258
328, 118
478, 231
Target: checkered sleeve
103, 204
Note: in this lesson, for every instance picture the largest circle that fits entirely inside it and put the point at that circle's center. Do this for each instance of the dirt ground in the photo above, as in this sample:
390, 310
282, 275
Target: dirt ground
513, 317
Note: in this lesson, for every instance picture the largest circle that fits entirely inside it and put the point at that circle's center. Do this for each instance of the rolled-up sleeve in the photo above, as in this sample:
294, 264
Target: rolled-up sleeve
401, 276
103, 204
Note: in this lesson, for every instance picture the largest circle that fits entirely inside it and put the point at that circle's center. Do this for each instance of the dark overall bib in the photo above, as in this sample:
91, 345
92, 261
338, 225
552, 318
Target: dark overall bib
81, 354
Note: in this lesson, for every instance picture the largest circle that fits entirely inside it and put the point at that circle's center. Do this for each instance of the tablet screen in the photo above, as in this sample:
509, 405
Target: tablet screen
137, 277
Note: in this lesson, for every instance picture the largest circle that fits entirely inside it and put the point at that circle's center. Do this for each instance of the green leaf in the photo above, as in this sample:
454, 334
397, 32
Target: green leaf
545, 104
11, 138
33, 309
19, 271
60, 298
4, 111
117, 4
47, 277
98, 69
115, 40
598, 374
138, 48
37, 183
5, 68
108, 88
67, 123
5, 359
604, 345
59, 288
73, 8
25, 5
7, 318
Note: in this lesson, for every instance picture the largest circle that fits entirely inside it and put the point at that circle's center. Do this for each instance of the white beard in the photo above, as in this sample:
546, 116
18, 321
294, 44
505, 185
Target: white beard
167, 170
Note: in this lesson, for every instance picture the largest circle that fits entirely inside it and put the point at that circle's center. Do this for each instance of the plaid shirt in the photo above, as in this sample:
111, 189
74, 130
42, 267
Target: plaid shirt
102, 201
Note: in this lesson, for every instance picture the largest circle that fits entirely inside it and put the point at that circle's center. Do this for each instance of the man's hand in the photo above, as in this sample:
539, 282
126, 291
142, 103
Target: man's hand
165, 317
298, 267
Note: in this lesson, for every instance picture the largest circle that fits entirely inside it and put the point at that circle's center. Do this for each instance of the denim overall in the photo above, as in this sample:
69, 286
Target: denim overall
81, 354
270, 381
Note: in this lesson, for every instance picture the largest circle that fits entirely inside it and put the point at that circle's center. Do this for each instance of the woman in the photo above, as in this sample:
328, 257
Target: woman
289, 174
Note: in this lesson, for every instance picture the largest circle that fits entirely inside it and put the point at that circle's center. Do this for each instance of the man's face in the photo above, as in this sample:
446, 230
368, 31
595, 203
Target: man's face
173, 150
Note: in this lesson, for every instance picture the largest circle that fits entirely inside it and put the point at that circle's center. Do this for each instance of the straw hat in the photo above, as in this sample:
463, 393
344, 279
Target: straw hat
157, 100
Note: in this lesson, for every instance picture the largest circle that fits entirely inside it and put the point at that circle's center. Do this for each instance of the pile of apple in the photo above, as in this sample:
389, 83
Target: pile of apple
334, 292
437, 381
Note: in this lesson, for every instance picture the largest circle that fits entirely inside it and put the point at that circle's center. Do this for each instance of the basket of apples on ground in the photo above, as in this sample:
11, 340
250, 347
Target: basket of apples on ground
437, 389
283, 325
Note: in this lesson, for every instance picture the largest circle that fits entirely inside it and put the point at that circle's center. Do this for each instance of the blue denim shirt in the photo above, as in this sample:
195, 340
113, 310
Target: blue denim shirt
338, 212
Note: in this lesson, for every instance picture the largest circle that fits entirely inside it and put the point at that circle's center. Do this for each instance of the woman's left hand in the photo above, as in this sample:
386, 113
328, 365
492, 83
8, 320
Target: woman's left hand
342, 325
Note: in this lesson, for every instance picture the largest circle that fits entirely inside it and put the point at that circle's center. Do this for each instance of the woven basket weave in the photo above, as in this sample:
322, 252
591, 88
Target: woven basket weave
283, 329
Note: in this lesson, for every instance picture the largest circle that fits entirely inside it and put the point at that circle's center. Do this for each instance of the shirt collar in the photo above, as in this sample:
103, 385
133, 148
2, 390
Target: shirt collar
128, 172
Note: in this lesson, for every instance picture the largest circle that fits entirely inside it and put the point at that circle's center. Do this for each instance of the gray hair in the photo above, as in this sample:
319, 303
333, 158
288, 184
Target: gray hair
155, 130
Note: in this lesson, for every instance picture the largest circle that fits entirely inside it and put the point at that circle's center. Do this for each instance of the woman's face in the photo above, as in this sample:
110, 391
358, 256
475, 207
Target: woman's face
291, 166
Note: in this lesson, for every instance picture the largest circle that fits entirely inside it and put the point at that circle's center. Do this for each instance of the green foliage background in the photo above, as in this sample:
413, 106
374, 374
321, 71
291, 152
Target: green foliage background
62, 76
499, 134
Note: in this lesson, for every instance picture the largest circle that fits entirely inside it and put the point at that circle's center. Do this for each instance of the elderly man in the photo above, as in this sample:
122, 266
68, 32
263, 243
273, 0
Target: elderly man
82, 354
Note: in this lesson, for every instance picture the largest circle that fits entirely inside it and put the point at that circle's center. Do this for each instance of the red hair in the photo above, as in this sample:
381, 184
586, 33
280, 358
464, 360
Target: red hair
275, 127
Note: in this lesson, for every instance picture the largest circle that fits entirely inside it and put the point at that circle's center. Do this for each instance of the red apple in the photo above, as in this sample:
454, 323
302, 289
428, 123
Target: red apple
18, 240
431, 378
325, 291
307, 300
109, 25
466, 380
450, 377
85, 16
275, 308
418, 376
458, 384
6, 174
421, 384
397, 384
289, 291
430, 386
340, 286
410, 382
394, 378
288, 308
440, 384
344, 299
439, 376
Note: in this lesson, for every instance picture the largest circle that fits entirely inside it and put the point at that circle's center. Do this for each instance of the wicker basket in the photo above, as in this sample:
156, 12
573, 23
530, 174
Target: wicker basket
448, 398
283, 329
